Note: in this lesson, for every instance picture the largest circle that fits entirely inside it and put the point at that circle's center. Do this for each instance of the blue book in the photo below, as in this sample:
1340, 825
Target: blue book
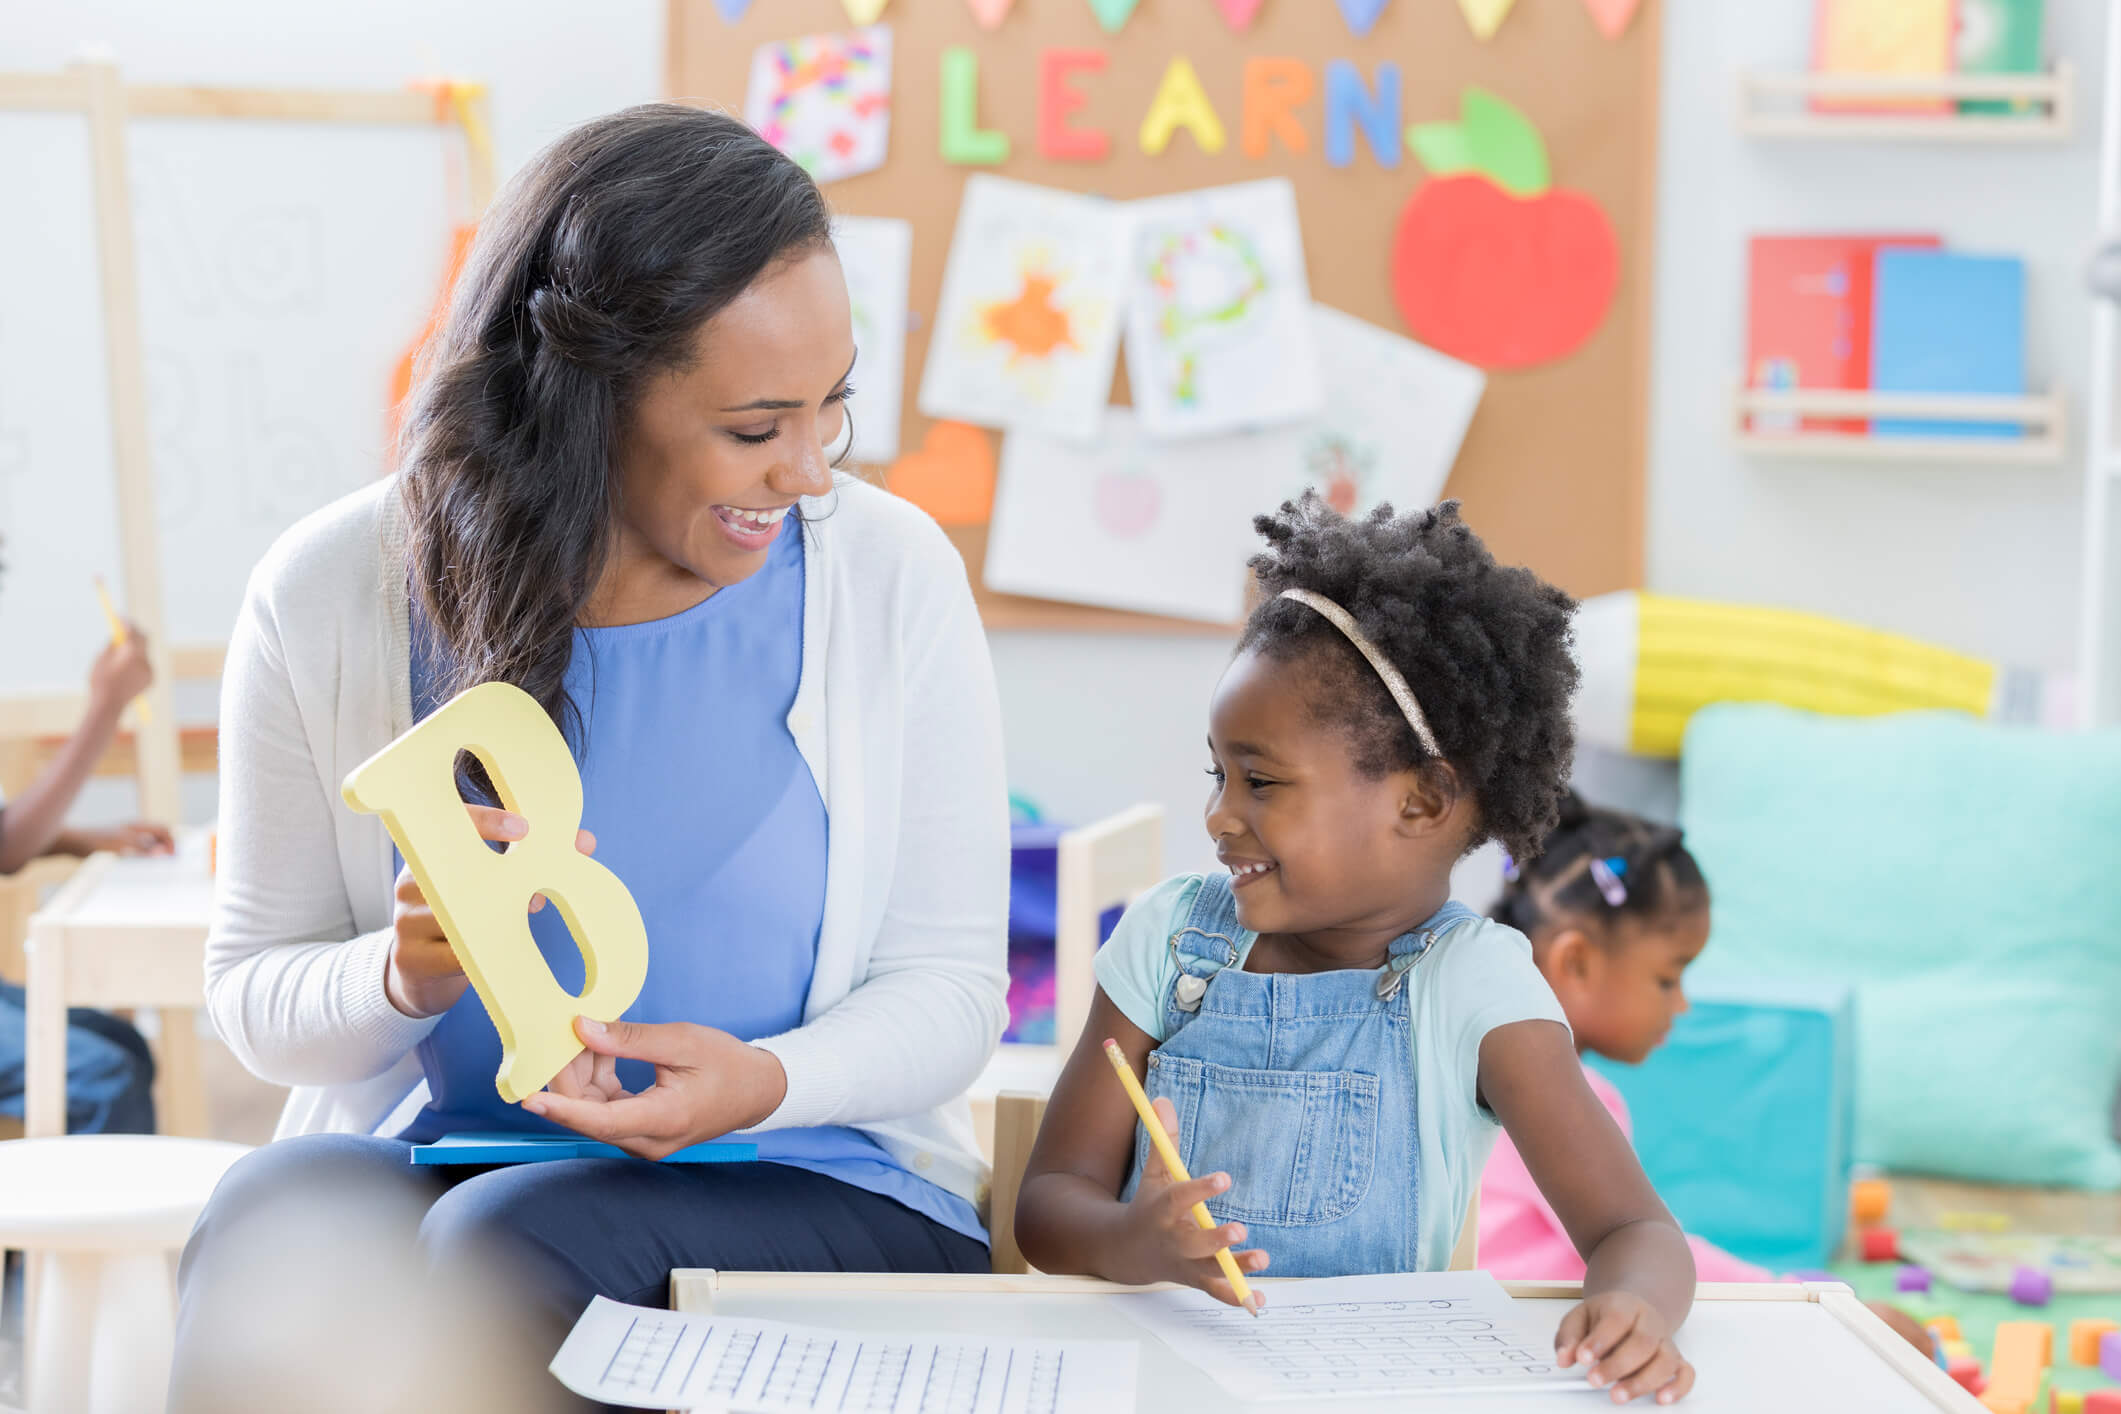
501, 1147
1947, 323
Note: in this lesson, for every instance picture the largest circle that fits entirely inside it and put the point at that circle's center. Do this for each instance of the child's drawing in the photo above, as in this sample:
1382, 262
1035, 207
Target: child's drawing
1133, 523
1395, 413
1218, 325
1027, 330
876, 254
825, 100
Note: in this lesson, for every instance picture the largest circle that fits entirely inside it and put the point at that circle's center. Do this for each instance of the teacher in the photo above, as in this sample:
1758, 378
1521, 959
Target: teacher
615, 490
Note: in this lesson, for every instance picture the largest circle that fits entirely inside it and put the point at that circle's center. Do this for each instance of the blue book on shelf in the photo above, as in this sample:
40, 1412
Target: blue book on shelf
1947, 323
501, 1147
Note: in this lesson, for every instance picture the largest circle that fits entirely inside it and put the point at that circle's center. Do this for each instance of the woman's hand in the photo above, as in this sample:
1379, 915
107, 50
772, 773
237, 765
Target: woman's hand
707, 1084
1178, 1248
1626, 1344
136, 837
423, 977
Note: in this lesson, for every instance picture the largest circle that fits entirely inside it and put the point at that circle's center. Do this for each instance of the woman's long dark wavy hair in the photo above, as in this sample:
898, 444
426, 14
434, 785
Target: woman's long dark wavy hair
593, 271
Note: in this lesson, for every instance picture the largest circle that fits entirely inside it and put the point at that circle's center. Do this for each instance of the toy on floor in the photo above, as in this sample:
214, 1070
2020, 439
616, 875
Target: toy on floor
1966, 1370
2084, 1337
2102, 1401
1870, 1199
2030, 1286
1912, 1278
2110, 1354
2023, 1352
2079, 1265
1973, 1222
1945, 1326
2065, 1401
1880, 1244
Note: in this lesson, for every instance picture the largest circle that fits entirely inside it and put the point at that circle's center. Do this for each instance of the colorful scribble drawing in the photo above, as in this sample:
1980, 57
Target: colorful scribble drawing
1208, 285
1028, 322
1340, 468
1218, 327
825, 100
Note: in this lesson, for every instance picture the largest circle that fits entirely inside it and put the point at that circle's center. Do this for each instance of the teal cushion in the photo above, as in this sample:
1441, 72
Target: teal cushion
1965, 880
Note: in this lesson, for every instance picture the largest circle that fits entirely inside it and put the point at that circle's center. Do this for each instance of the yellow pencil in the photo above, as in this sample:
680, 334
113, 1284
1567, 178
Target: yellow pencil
117, 634
1177, 1166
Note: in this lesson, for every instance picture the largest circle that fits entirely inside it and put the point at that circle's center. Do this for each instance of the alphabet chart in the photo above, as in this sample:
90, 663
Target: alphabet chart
1399, 1334
650, 1359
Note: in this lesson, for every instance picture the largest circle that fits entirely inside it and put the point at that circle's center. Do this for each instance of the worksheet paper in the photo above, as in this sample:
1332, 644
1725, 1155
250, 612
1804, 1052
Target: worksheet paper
649, 1359
1412, 1333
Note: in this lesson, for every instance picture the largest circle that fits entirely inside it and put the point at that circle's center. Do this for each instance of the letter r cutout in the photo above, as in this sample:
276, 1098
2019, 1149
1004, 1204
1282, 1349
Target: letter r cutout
482, 899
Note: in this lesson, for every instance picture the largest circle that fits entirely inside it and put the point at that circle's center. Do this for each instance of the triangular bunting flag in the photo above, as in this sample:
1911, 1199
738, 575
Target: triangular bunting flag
1485, 16
732, 10
864, 12
990, 13
1361, 14
1238, 14
1612, 16
1112, 14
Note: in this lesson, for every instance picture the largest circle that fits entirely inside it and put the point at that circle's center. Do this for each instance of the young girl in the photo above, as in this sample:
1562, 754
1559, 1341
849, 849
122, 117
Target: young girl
1616, 908
1329, 1038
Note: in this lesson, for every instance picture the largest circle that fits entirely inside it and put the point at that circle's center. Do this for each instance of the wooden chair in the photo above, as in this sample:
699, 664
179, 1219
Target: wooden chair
1016, 1121
1102, 866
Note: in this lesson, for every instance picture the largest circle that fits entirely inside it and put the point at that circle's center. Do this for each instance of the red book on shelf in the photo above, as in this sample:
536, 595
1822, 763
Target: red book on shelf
1808, 320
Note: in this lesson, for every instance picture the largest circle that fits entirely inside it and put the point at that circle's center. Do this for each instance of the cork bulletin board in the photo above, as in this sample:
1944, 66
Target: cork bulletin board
1551, 472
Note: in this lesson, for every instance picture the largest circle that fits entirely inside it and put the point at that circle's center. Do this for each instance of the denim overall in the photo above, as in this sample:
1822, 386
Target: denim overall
1301, 1088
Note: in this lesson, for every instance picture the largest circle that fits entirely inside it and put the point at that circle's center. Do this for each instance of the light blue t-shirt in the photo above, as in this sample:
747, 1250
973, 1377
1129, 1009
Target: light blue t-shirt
1478, 976
701, 803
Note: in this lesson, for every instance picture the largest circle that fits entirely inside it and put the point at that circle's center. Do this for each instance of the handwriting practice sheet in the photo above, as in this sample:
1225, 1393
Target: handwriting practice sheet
1412, 1333
650, 1359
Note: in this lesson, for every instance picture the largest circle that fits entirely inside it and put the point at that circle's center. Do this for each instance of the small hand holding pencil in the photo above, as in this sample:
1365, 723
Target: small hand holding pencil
1173, 1205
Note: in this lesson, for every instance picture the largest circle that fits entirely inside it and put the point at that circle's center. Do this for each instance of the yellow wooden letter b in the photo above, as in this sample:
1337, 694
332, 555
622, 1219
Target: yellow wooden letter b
482, 899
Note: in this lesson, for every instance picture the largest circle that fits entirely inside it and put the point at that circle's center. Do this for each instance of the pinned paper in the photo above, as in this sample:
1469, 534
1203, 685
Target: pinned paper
481, 897
865, 12
732, 10
1492, 138
1057, 98
1181, 102
990, 13
951, 477
1113, 14
1395, 416
1349, 105
876, 255
1485, 16
1274, 89
825, 100
1492, 264
1027, 329
1361, 15
1219, 329
962, 140
1239, 14
1612, 16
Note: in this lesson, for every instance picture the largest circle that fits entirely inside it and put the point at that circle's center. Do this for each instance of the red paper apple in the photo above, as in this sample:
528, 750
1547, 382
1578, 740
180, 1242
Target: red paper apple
1492, 263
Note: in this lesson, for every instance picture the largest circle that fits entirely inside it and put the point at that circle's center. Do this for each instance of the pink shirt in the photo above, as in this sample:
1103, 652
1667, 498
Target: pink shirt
1522, 1239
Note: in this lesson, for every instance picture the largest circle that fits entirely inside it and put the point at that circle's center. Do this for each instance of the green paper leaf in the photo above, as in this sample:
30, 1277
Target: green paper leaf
1491, 139
1112, 14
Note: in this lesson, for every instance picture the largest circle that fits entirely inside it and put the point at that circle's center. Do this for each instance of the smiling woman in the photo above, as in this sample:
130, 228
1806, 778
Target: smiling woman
615, 490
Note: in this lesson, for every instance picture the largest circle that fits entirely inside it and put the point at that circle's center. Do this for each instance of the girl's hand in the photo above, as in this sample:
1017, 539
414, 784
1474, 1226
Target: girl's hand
423, 977
1626, 1344
1176, 1247
121, 672
707, 1083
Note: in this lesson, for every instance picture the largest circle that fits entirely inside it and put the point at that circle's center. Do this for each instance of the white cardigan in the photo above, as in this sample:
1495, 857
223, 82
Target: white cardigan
896, 714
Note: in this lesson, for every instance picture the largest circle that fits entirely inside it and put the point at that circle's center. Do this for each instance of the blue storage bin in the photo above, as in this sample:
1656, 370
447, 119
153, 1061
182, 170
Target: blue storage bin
1745, 1119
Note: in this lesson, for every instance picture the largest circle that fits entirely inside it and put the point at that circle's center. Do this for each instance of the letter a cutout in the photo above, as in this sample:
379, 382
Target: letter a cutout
482, 899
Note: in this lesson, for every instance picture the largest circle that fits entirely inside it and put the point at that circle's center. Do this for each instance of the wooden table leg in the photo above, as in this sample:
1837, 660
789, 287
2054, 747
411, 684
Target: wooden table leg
180, 1086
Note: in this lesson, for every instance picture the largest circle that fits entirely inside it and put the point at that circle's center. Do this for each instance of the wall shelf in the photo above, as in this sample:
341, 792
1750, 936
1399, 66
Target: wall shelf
2040, 415
1779, 105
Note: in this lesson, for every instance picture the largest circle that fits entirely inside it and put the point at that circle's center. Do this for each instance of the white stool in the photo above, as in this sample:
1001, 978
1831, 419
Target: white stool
105, 1212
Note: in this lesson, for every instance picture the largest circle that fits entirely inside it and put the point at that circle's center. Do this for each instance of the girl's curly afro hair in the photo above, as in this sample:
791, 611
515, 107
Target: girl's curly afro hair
1484, 646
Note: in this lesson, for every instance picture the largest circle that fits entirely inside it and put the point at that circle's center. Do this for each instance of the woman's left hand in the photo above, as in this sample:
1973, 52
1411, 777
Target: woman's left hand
1627, 1346
707, 1083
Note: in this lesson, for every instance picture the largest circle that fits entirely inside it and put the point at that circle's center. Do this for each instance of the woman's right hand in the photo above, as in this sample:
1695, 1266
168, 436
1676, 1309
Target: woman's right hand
424, 977
1180, 1249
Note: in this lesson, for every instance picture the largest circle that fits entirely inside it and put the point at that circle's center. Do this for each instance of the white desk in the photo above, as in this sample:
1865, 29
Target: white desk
1765, 1349
122, 933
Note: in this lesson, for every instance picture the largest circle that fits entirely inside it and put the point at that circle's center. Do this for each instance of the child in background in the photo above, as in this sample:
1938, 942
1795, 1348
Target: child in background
1616, 909
109, 1069
1342, 1040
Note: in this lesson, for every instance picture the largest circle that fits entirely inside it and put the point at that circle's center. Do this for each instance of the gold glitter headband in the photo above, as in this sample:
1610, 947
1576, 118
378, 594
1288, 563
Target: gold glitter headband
1394, 683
